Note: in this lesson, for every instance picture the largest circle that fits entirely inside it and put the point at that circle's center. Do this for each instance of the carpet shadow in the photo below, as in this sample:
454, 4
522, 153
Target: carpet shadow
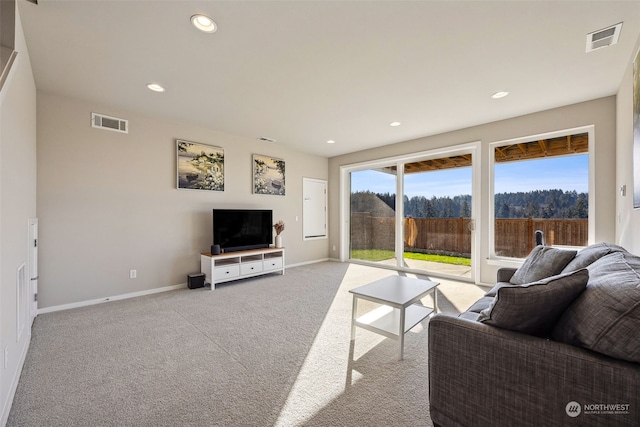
267, 351
189, 357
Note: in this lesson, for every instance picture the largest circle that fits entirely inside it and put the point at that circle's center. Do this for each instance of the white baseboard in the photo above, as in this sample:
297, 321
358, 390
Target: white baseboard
142, 293
315, 261
6, 408
107, 299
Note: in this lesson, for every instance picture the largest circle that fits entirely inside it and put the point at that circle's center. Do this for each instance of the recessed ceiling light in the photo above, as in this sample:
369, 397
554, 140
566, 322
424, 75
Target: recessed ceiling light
331, 141
500, 94
394, 124
204, 23
155, 87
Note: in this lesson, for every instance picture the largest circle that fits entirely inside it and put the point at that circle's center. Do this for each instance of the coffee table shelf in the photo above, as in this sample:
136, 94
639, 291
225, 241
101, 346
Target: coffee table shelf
400, 309
387, 322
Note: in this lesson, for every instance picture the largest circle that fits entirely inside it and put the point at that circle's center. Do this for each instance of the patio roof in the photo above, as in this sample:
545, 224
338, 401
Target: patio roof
561, 146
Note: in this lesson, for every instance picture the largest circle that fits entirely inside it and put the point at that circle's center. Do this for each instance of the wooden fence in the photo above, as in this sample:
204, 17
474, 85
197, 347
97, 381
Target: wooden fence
513, 237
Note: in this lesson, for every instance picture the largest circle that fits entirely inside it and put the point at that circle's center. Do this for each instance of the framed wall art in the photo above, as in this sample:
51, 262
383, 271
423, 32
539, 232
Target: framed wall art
268, 175
200, 166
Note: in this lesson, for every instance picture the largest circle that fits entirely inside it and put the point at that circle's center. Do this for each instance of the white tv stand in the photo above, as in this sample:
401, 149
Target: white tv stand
240, 265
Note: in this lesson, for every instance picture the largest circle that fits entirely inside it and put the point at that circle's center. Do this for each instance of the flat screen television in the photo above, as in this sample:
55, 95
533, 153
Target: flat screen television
242, 229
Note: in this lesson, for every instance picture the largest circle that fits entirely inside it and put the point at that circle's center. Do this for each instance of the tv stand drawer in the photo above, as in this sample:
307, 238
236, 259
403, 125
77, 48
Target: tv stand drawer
226, 272
250, 267
272, 264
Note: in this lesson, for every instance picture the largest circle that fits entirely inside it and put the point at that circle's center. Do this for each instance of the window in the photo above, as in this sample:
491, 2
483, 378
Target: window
541, 183
428, 227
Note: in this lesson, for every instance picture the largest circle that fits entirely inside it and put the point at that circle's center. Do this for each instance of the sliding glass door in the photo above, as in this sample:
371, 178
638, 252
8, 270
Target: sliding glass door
429, 228
437, 215
373, 216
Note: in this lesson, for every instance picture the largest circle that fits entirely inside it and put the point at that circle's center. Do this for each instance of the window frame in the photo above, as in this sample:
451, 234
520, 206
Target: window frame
590, 131
473, 148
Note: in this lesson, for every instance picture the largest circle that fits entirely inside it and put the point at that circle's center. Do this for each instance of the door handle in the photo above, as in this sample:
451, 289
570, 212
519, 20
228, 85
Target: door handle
35, 278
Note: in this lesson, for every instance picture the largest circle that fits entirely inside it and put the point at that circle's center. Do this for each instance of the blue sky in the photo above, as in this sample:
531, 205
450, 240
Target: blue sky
566, 173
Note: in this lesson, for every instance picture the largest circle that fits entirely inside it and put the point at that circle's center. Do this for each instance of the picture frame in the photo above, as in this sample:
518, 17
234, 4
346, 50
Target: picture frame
636, 131
199, 166
268, 175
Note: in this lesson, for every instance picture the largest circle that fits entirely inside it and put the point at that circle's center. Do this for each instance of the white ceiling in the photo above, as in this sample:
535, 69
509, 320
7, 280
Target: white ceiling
304, 72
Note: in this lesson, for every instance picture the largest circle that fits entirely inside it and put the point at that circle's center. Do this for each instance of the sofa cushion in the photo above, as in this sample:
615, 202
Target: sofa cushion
504, 274
606, 316
591, 253
534, 308
469, 316
492, 292
481, 304
543, 261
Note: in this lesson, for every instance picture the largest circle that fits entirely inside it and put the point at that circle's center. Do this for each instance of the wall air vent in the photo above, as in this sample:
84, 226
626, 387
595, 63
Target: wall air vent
603, 38
109, 123
265, 139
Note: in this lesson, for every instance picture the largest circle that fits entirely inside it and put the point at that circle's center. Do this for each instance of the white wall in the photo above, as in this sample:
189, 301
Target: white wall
600, 112
108, 203
17, 204
628, 222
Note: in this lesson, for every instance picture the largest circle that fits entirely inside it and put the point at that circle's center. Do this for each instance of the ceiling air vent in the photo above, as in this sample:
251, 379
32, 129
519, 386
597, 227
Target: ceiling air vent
603, 38
109, 123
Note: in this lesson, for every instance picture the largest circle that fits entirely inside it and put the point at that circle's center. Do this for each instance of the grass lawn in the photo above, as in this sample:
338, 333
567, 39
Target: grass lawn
380, 255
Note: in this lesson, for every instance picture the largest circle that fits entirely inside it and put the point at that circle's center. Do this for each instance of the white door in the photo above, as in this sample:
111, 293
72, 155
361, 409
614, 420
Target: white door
33, 266
314, 209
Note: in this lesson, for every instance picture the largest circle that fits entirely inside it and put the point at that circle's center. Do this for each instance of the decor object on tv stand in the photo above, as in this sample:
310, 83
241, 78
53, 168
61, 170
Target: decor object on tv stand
279, 226
237, 265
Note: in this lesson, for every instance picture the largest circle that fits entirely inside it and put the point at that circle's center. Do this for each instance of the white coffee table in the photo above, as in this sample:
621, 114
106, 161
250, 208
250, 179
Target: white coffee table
399, 312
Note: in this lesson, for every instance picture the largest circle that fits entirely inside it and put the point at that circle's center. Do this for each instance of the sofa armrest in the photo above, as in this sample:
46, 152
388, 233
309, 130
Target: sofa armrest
480, 375
505, 274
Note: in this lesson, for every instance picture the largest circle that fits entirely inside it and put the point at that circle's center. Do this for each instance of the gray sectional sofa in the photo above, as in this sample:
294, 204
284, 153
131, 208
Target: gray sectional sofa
554, 343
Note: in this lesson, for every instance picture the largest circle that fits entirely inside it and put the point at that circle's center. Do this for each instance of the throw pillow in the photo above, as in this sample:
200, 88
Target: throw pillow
543, 261
606, 316
590, 254
534, 308
492, 292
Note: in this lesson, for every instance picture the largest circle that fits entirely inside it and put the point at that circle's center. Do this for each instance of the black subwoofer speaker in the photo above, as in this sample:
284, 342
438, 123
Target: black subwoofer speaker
195, 281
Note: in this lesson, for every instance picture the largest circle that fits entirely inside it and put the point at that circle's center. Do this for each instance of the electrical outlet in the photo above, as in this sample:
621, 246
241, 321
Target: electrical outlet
133, 274
6, 357
334, 247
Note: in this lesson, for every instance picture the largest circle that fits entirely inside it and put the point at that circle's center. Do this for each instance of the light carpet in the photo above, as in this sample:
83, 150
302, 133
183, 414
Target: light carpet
267, 351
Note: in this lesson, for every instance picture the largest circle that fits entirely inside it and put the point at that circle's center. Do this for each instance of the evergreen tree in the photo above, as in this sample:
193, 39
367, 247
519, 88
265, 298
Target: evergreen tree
580, 209
431, 209
505, 211
465, 210
531, 211
534, 204
447, 208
